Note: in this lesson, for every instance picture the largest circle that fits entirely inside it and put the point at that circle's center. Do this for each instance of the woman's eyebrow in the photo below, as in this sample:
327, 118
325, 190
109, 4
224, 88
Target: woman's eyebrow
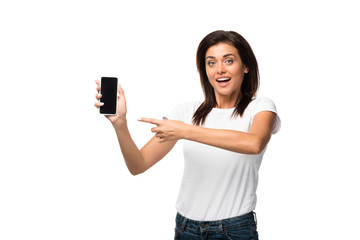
226, 55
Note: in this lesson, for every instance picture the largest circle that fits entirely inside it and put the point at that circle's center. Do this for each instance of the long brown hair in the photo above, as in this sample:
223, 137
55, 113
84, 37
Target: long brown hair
250, 83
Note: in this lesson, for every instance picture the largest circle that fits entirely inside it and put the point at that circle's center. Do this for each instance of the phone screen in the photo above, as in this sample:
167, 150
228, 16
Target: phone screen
108, 89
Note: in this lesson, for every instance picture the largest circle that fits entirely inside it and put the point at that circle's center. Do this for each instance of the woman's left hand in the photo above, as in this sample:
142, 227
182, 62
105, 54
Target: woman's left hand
167, 130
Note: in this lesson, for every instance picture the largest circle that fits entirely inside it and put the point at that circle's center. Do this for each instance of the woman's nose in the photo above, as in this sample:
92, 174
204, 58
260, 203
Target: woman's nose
220, 69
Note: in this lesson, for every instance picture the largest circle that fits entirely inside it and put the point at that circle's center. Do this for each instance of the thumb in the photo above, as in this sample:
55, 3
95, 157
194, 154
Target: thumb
121, 91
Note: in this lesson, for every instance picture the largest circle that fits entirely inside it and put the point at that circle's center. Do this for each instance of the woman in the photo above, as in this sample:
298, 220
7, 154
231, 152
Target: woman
225, 140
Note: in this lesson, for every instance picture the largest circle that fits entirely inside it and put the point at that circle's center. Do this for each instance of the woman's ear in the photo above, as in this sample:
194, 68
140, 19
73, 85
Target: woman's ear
246, 70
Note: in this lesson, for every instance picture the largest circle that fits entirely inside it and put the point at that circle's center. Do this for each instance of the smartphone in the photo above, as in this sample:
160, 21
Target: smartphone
109, 91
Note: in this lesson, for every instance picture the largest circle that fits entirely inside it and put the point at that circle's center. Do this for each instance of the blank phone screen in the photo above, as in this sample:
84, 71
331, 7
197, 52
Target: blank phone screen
109, 95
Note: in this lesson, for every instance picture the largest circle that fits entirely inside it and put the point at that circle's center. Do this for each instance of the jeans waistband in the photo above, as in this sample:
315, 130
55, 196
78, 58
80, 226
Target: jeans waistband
245, 219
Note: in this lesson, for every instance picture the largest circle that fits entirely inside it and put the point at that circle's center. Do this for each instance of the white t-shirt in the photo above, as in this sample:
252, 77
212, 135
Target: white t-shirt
217, 183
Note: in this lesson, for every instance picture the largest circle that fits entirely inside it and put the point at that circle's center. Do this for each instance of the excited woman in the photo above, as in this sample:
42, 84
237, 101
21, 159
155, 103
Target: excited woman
225, 139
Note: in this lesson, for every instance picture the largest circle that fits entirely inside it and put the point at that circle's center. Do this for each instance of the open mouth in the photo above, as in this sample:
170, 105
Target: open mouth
223, 80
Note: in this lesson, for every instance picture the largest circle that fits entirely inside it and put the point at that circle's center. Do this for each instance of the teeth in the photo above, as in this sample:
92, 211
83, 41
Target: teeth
223, 79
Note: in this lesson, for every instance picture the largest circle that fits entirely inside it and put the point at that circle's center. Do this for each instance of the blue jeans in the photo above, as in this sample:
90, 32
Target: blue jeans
237, 228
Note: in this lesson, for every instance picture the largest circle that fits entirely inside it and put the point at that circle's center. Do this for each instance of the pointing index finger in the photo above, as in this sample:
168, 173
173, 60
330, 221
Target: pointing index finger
149, 120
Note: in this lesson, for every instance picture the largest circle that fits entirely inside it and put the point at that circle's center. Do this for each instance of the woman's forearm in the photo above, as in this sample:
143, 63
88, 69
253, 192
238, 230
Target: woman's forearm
132, 155
231, 140
248, 143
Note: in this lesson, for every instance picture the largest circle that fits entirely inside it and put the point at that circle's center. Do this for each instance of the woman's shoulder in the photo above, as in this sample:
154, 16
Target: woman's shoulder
189, 106
184, 111
261, 101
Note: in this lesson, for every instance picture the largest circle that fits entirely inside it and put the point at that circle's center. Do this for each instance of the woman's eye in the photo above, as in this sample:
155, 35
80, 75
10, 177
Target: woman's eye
211, 63
229, 61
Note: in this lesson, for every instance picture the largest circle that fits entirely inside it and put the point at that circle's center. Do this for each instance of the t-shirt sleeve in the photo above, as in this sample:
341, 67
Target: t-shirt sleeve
266, 104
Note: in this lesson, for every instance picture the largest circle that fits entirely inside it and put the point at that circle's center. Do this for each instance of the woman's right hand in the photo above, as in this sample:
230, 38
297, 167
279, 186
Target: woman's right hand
121, 105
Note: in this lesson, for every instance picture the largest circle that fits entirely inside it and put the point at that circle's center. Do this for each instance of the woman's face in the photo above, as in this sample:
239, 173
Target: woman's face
225, 70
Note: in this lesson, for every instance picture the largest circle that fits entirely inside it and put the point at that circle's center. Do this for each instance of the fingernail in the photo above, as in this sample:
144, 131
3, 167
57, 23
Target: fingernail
101, 103
139, 119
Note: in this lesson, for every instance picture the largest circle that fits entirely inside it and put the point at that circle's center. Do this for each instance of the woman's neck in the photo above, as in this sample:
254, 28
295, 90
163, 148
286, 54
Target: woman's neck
226, 101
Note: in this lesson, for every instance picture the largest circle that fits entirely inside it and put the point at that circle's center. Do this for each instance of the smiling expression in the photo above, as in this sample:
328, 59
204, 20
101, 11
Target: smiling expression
225, 72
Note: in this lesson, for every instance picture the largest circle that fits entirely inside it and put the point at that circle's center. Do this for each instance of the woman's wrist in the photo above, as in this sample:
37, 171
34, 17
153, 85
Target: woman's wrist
120, 123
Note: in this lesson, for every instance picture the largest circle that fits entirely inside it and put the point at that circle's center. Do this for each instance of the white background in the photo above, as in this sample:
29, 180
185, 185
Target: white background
62, 175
